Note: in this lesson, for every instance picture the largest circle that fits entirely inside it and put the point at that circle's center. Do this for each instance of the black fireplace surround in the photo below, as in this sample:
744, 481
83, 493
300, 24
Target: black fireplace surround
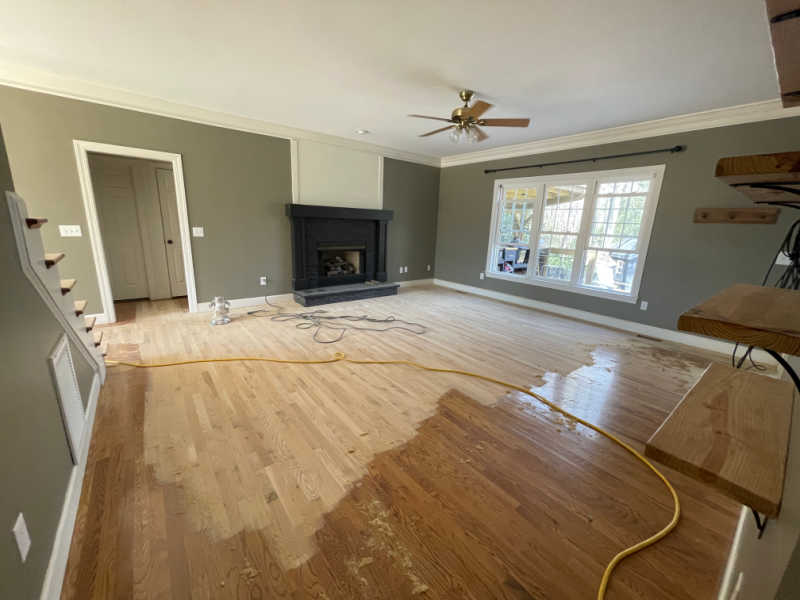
333, 245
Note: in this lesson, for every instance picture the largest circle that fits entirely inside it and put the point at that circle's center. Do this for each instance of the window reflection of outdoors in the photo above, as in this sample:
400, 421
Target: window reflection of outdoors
516, 221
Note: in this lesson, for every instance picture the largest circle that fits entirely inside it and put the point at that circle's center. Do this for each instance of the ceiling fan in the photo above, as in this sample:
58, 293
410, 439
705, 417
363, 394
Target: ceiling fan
467, 122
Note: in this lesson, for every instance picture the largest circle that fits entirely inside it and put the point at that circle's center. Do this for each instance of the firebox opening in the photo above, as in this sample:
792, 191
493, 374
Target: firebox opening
341, 261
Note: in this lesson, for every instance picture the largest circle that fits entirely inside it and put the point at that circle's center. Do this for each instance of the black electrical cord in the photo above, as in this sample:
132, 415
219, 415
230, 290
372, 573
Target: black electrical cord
789, 279
317, 320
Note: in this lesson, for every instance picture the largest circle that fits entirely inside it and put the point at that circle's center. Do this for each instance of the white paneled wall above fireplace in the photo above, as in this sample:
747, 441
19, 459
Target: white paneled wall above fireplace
330, 175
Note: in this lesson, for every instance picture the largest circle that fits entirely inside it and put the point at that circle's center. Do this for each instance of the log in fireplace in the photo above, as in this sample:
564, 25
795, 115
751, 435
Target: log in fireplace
337, 260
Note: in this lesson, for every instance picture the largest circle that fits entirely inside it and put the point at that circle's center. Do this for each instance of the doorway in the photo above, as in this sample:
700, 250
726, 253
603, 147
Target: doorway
138, 224
136, 210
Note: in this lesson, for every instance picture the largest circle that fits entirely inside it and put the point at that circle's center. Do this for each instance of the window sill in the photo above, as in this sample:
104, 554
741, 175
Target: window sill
632, 299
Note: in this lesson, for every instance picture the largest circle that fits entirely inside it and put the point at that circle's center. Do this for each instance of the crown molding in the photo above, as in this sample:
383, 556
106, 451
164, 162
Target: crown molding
707, 119
38, 80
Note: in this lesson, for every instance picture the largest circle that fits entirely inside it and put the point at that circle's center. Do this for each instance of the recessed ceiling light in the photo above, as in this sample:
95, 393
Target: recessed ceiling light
362, 131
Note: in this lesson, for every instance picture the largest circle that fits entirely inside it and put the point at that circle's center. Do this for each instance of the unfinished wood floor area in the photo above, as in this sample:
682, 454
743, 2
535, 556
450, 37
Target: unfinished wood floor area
254, 480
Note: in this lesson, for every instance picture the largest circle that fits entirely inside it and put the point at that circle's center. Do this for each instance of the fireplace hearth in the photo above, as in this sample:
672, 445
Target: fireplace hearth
338, 253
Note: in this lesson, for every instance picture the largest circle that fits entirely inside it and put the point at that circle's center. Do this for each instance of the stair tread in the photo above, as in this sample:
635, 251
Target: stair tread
90, 321
80, 306
51, 258
67, 285
35, 223
97, 336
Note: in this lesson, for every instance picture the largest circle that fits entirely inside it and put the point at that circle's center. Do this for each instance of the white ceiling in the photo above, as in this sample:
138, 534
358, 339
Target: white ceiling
334, 66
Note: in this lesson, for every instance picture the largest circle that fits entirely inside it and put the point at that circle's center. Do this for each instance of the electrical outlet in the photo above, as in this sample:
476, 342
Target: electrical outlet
643, 305
22, 536
429, 268
69, 230
198, 232
262, 280
481, 275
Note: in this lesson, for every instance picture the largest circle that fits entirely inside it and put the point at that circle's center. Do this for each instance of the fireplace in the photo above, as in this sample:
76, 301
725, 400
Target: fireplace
333, 247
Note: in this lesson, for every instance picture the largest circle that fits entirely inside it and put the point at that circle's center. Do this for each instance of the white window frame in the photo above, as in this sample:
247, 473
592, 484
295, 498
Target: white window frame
654, 172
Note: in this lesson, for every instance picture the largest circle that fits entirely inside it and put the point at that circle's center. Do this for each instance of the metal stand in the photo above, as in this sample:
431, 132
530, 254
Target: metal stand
760, 525
786, 366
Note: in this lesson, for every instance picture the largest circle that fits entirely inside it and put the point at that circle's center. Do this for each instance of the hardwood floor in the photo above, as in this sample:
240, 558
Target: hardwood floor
251, 480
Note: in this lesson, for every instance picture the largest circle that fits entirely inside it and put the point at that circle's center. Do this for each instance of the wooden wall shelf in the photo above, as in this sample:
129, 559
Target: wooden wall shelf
731, 431
738, 216
763, 177
749, 314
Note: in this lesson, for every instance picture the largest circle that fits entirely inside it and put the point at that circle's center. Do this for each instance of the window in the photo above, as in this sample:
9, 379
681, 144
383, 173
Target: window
512, 247
585, 233
558, 233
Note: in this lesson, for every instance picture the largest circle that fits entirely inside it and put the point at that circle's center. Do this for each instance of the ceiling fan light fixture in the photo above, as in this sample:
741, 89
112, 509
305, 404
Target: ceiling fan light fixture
466, 122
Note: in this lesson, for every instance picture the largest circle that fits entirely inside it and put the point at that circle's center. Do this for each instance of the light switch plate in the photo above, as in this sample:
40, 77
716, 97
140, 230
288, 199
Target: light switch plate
198, 232
70, 230
22, 536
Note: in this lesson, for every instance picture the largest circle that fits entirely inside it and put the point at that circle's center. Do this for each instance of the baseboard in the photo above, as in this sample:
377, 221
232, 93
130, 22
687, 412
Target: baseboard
415, 282
245, 302
56, 568
259, 300
679, 337
728, 582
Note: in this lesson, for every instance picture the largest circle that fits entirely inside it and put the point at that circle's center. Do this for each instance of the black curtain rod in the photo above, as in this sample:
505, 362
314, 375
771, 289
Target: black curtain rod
595, 159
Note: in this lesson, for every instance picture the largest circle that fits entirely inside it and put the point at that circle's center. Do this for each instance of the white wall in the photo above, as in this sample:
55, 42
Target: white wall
762, 563
337, 176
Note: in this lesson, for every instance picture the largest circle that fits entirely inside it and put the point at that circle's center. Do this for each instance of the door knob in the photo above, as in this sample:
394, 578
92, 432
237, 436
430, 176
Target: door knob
169, 241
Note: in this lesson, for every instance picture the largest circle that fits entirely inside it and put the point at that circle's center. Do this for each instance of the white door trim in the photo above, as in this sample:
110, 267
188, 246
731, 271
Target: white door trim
82, 149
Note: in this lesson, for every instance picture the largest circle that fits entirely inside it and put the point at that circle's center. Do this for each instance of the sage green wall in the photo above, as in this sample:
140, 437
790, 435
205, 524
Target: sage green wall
237, 184
84, 372
686, 262
790, 584
412, 191
35, 462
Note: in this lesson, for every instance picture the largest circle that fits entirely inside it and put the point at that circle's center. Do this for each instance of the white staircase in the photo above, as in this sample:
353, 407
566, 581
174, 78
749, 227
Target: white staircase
41, 269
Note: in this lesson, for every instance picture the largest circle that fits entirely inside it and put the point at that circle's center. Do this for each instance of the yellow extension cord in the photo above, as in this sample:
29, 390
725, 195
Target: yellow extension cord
339, 357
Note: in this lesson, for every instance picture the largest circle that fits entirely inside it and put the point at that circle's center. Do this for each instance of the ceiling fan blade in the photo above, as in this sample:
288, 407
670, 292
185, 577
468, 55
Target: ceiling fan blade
477, 109
482, 135
427, 117
505, 122
437, 131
